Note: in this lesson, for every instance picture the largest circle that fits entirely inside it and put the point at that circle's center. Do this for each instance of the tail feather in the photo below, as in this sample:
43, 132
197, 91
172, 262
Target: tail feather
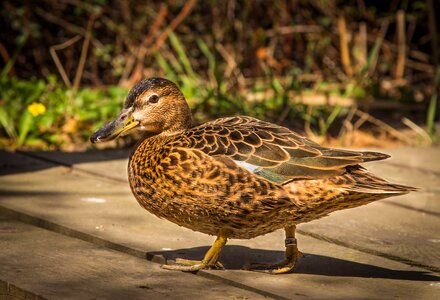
372, 156
366, 182
356, 187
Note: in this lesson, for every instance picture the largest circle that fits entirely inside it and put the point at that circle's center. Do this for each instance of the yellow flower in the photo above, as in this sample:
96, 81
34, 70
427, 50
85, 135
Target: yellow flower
37, 109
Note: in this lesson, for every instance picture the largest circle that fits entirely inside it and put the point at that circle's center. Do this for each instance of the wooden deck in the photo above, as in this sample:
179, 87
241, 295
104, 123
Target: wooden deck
70, 229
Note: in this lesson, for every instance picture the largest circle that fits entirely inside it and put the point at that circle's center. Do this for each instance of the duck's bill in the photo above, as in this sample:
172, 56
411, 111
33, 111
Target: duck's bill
117, 127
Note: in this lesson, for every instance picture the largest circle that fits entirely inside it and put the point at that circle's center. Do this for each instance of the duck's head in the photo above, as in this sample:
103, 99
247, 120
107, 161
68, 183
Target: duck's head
153, 105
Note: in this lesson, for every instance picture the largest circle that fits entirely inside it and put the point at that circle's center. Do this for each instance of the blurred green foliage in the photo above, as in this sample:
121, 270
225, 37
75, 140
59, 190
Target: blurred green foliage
44, 114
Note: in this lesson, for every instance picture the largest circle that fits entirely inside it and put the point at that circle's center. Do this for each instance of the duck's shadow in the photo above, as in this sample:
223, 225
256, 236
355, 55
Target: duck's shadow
236, 257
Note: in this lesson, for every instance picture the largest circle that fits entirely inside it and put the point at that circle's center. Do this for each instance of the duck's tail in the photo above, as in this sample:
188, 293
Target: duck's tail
356, 187
360, 180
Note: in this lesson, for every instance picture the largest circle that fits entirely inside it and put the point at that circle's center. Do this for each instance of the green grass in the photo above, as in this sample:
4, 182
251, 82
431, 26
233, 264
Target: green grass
432, 109
64, 119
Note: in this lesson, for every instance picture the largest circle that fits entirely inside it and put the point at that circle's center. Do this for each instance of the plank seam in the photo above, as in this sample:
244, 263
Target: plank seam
369, 251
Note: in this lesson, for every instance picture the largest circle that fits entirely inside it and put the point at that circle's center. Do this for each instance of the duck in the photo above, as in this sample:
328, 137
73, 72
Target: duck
235, 177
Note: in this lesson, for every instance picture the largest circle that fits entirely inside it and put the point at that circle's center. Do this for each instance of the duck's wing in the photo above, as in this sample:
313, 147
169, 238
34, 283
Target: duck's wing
272, 151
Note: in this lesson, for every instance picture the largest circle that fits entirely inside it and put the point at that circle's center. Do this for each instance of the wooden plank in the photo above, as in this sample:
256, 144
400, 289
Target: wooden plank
418, 167
329, 271
425, 200
105, 163
424, 158
61, 267
385, 230
57, 267
9, 291
12, 163
99, 207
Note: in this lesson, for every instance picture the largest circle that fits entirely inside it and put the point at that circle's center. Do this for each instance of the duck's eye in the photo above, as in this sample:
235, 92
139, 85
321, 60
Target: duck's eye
153, 98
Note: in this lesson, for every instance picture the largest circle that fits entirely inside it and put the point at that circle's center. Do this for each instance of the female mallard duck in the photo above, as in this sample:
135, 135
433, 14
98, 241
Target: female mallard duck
235, 177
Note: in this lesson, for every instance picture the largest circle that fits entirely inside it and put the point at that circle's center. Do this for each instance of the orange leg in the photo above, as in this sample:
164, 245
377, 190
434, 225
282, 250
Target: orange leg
292, 256
209, 261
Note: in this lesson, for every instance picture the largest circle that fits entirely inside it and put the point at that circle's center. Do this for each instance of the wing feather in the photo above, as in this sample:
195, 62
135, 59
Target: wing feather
274, 152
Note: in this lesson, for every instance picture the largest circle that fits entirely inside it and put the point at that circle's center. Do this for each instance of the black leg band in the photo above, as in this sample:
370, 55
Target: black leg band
290, 242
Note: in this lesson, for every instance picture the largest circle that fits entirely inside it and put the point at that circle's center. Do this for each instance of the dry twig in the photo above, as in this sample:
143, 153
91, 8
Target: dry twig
142, 52
384, 126
363, 47
419, 66
401, 45
189, 5
84, 50
417, 129
52, 50
232, 66
346, 132
59, 21
285, 30
343, 43
307, 127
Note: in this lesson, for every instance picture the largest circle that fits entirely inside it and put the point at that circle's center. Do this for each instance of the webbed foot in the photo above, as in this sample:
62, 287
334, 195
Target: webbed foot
209, 261
287, 265
187, 265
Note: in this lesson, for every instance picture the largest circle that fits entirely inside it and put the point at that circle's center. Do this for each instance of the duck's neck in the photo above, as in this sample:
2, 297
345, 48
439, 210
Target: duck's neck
180, 120
178, 125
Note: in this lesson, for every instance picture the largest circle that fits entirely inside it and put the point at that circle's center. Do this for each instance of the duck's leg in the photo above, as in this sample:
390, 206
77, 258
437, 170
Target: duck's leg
292, 253
292, 256
209, 261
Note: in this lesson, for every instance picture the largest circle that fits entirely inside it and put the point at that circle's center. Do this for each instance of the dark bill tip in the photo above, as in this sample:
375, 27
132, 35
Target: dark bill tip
95, 137
106, 133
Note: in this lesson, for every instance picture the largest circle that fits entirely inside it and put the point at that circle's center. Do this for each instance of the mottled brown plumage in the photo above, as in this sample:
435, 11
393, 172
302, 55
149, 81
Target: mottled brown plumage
235, 177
